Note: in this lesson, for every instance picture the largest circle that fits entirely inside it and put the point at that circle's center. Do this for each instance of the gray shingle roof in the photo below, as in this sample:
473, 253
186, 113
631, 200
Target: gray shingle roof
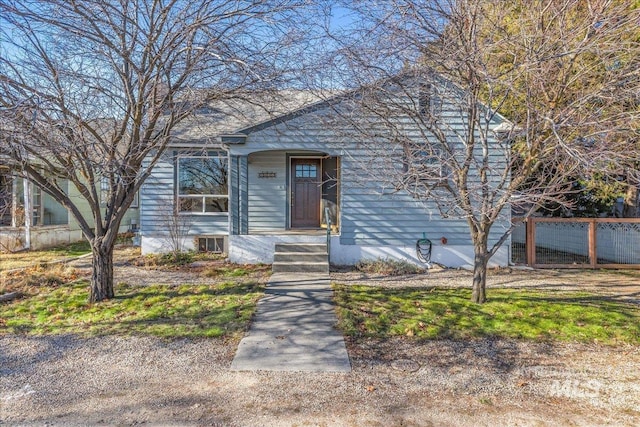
223, 117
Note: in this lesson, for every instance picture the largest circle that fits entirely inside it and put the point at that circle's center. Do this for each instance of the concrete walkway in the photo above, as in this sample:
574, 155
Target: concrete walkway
294, 328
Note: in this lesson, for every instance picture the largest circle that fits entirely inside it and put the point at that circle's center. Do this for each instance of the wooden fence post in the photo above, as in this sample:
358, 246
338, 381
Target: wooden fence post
531, 242
593, 253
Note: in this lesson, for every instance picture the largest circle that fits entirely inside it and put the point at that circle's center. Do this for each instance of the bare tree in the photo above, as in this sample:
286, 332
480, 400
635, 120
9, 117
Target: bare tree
434, 76
10, 218
177, 230
92, 90
6, 202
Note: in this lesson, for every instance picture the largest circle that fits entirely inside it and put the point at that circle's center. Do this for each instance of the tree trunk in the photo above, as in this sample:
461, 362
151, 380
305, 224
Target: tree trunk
630, 209
102, 276
480, 262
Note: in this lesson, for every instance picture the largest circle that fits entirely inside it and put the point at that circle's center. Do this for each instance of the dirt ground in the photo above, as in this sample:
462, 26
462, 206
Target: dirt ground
66, 380
145, 381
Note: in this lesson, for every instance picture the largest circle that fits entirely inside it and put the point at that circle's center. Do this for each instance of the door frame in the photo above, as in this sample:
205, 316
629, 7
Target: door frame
290, 158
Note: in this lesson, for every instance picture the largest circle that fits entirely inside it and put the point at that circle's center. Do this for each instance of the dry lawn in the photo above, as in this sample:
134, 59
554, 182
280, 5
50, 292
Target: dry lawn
120, 380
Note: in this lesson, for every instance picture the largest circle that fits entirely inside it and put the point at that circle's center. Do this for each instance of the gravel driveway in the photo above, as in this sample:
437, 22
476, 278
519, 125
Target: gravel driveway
129, 381
66, 380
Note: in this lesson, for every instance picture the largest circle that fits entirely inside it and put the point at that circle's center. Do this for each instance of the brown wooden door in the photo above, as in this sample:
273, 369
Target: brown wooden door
305, 193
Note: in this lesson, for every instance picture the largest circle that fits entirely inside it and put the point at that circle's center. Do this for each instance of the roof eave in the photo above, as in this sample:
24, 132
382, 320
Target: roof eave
233, 139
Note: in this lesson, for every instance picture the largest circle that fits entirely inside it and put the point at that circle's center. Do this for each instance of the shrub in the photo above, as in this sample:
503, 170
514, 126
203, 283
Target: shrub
125, 238
389, 267
168, 259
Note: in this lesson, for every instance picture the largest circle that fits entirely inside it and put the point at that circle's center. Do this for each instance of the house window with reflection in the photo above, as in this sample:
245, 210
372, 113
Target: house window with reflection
424, 163
429, 102
45, 210
105, 193
202, 184
6, 196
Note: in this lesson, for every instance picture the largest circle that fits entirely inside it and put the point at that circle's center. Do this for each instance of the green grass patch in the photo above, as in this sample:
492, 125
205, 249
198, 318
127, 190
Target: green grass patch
435, 313
221, 310
30, 258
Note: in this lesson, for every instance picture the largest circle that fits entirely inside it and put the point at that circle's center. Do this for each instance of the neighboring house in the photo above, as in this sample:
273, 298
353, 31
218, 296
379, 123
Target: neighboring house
49, 223
240, 191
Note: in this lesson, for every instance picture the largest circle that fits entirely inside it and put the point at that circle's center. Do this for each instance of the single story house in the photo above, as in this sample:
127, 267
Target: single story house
241, 185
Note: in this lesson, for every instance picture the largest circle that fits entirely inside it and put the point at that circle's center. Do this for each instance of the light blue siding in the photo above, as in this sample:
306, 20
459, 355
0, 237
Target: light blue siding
157, 199
267, 195
371, 212
368, 218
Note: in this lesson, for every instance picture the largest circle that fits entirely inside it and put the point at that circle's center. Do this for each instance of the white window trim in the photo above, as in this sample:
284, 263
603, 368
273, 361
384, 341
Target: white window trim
178, 196
213, 237
431, 171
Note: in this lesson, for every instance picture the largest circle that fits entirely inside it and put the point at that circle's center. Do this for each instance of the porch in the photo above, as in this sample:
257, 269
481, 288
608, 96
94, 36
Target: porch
18, 238
284, 193
30, 218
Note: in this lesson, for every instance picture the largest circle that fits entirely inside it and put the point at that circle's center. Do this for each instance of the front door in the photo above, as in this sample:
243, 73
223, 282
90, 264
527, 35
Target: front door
306, 188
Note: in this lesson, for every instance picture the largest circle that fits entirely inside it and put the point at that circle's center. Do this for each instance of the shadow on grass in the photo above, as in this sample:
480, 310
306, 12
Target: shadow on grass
426, 314
126, 292
622, 303
445, 330
162, 311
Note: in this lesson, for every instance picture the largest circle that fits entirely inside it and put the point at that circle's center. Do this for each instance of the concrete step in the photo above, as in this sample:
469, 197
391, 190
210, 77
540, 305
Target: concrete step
301, 247
300, 267
300, 257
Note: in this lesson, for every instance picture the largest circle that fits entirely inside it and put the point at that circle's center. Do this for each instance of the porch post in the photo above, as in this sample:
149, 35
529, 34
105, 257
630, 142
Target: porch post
14, 201
27, 213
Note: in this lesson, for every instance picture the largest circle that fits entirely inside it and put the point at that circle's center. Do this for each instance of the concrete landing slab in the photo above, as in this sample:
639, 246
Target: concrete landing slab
294, 328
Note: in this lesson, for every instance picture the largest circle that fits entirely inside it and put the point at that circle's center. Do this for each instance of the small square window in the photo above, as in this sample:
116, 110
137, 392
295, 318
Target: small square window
306, 171
211, 244
429, 102
105, 193
424, 164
